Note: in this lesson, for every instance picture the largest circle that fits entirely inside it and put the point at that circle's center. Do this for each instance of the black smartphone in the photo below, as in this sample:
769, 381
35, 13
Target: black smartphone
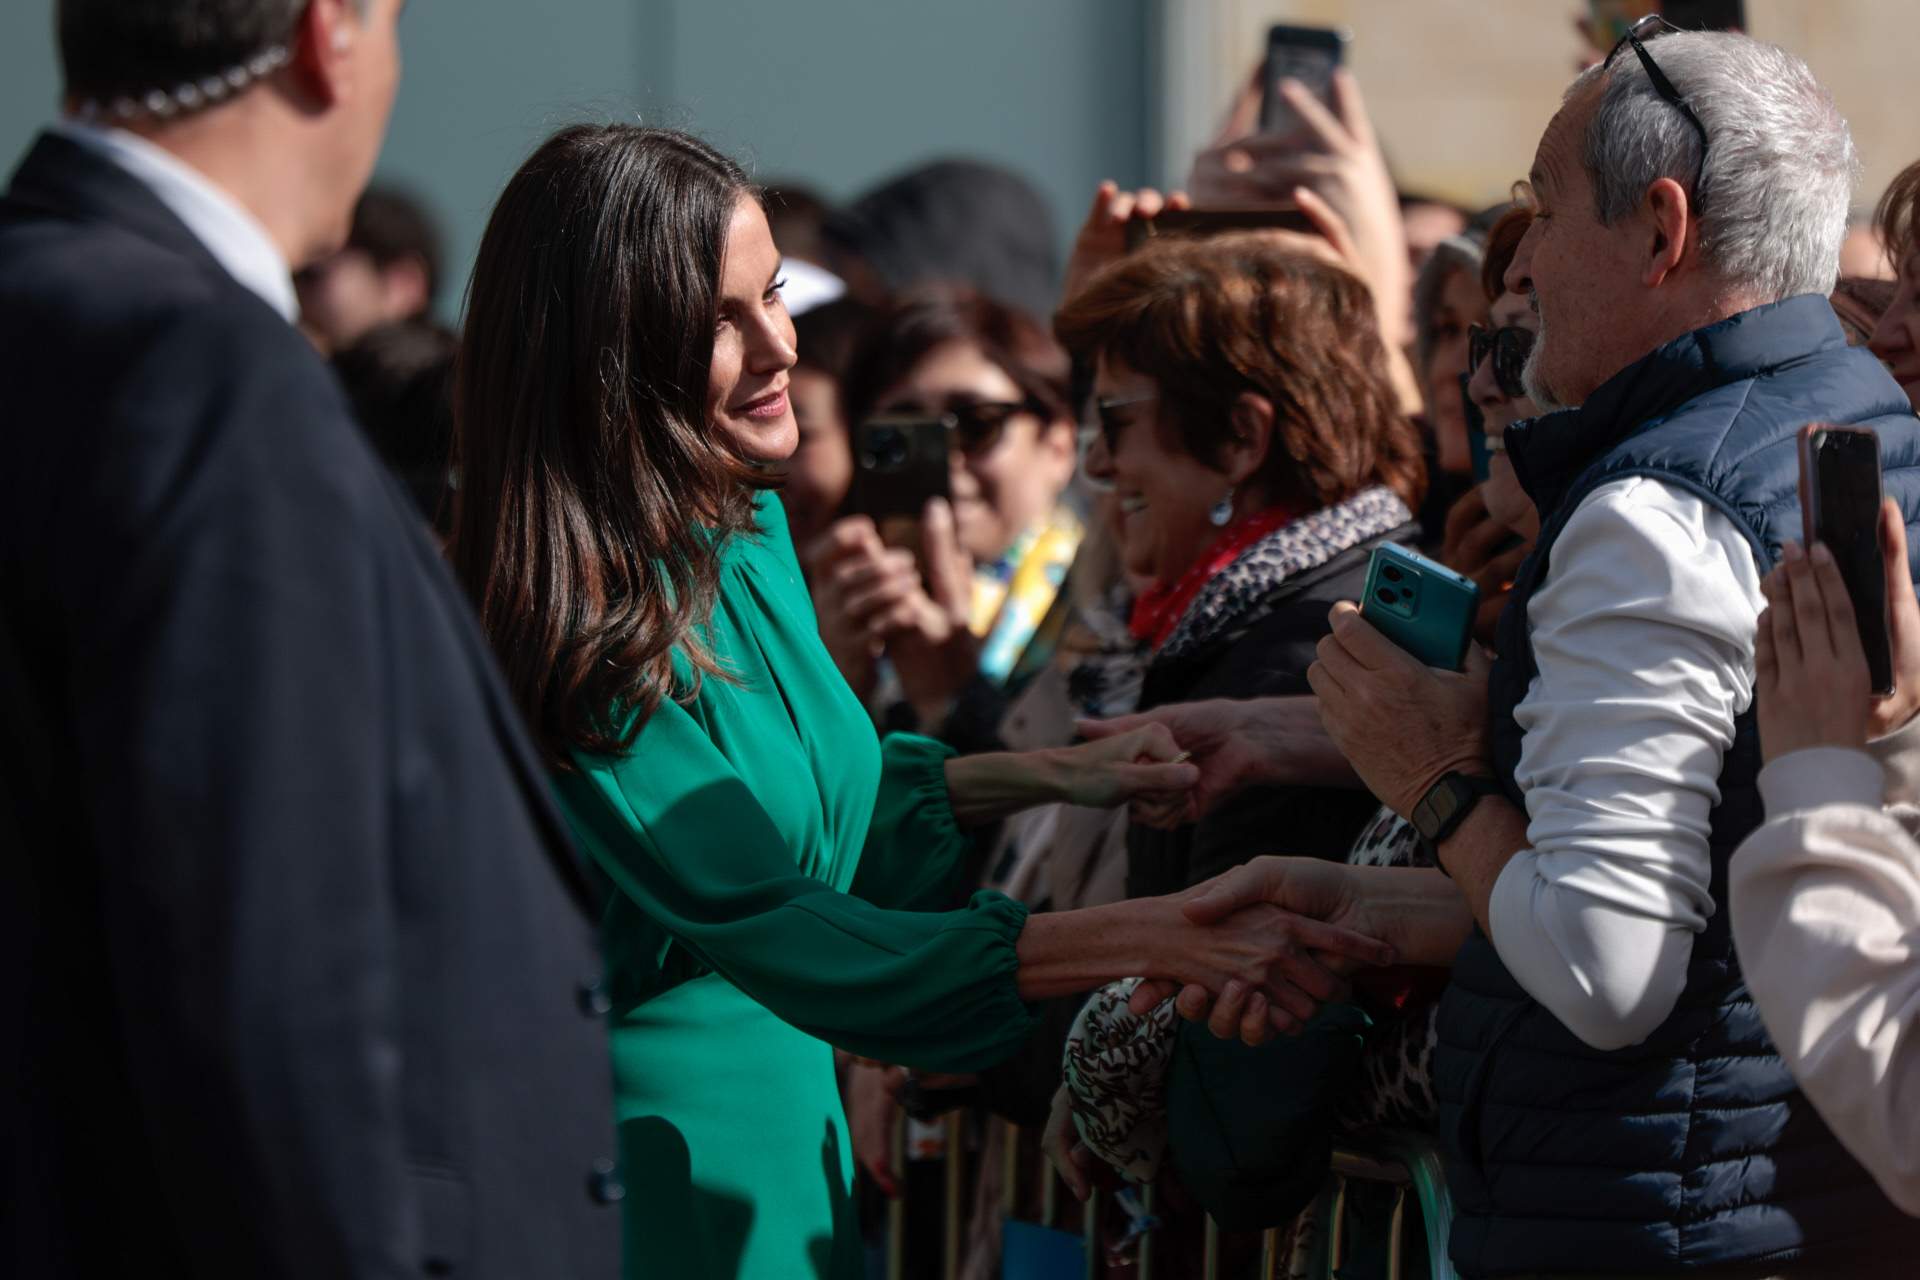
1306, 54
899, 465
1706, 15
1840, 505
1213, 222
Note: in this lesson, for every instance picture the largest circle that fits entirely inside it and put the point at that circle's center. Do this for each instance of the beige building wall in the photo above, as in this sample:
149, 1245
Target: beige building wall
1460, 89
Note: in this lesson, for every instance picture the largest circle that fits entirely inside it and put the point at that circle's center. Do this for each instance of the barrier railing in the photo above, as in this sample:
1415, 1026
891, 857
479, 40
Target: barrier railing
1405, 1161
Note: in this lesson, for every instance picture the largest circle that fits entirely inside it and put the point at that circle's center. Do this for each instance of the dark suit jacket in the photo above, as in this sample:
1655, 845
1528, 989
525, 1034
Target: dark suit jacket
295, 941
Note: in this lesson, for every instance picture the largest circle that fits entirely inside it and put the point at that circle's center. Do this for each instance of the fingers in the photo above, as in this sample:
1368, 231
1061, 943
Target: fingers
1243, 117
1060, 1141
949, 571
1843, 631
1466, 514
1153, 741
1368, 649
1179, 200
1241, 887
1193, 1003
1809, 612
1229, 1010
1351, 107
1173, 779
1149, 995
1479, 663
1766, 666
1325, 127
1256, 1027
1779, 618
1335, 940
1329, 224
1094, 730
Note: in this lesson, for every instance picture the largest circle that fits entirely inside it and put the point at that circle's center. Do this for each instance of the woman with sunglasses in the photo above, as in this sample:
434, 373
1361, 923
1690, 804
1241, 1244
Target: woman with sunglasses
622, 398
928, 637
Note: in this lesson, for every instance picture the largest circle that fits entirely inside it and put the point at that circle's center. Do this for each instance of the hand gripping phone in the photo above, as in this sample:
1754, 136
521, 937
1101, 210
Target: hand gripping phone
1421, 605
1840, 506
1306, 54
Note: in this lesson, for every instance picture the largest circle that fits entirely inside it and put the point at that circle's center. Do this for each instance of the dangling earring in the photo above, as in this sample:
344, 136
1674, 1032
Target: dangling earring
1222, 513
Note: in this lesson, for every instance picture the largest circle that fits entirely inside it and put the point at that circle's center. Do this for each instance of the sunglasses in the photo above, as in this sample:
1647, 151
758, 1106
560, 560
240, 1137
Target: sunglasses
1658, 78
976, 427
1509, 346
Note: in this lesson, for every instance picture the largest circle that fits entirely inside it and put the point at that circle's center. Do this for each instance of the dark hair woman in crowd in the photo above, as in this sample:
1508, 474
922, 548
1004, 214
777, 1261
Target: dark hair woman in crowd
622, 401
923, 658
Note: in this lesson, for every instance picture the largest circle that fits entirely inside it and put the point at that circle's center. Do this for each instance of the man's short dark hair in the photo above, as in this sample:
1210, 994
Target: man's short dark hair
391, 226
129, 48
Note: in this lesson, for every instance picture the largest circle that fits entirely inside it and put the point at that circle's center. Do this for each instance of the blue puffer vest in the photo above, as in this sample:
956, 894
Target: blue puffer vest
1692, 1149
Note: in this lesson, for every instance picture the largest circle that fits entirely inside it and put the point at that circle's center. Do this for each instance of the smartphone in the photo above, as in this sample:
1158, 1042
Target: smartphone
1306, 54
1213, 222
1840, 505
1421, 605
899, 465
1477, 453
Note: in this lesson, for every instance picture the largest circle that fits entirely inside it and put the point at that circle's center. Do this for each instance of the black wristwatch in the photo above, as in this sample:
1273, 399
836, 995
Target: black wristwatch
1447, 804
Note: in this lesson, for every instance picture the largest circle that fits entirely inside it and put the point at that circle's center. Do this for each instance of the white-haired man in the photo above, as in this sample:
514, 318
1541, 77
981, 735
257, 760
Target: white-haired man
1610, 1102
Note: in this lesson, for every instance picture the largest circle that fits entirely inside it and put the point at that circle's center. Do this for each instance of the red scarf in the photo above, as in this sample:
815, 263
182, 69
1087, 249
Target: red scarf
1158, 610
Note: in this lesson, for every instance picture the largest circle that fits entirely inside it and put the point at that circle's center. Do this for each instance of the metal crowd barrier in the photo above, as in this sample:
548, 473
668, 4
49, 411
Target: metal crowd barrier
1406, 1161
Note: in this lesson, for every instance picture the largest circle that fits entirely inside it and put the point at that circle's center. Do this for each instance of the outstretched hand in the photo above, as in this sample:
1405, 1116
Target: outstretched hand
1217, 737
1144, 765
1321, 923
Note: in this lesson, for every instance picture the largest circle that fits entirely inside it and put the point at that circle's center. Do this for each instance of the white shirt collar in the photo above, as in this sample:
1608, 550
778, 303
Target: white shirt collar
230, 233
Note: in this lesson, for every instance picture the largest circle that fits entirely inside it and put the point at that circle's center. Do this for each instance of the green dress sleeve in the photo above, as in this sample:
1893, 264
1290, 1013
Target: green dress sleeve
935, 991
915, 850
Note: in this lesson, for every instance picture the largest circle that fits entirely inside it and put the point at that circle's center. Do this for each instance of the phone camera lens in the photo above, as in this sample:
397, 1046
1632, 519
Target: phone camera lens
1390, 573
1384, 596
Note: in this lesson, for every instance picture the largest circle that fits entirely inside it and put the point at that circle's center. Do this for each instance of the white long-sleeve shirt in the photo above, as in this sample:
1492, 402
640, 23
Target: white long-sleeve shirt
1825, 899
1644, 636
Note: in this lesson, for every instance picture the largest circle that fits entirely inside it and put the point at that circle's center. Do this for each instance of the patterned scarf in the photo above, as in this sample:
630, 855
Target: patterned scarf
1238, 594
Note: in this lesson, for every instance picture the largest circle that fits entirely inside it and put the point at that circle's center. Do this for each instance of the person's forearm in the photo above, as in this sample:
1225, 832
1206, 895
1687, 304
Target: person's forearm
1420, 913
1293, 744
1064, 952
998, 784
1480, 849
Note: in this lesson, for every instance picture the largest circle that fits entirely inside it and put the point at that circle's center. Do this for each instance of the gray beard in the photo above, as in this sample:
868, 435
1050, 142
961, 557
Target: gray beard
1541, 394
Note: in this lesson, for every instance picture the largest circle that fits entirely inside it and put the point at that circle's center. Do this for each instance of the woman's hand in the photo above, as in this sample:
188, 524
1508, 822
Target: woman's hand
1103, 236
1145, 767
873, 599
1812, 688
1338, 160
1069, 1156
1303, 902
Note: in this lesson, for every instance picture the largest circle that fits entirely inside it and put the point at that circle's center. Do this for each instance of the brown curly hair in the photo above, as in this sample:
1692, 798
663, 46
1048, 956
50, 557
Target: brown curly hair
1208, 320
1897, 216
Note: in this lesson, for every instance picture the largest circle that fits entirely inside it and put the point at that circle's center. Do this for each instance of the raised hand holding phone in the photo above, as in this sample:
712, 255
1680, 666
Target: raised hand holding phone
1840, 503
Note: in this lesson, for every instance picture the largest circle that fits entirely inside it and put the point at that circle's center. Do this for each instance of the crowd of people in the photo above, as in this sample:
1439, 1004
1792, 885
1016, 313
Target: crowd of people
508, 801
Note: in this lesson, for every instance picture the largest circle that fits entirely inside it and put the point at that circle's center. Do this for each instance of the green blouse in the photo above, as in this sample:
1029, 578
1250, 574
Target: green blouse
771, 859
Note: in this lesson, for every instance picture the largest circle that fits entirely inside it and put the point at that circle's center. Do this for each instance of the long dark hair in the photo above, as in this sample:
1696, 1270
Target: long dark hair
595, 498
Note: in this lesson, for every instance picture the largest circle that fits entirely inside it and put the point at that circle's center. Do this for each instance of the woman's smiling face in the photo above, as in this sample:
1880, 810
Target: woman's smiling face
1166, 495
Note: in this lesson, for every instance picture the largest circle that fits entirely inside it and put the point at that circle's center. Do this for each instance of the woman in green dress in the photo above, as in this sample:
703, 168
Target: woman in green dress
622, 407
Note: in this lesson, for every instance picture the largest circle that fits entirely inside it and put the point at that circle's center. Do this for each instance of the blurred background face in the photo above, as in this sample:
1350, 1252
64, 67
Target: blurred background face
821, 470
1165, 496
1896, 339
1506, 501
1460, 303
752, 344
1002, 489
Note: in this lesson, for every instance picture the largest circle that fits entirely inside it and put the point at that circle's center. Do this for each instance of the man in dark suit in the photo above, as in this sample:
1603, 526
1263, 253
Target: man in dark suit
299, 974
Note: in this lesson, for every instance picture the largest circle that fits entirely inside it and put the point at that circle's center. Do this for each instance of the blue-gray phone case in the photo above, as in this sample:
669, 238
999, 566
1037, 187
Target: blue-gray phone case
1421, 605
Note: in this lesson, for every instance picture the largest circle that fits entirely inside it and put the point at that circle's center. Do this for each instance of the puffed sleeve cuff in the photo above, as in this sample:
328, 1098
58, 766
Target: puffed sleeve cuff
915, 847
1899, 754
1803, 780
